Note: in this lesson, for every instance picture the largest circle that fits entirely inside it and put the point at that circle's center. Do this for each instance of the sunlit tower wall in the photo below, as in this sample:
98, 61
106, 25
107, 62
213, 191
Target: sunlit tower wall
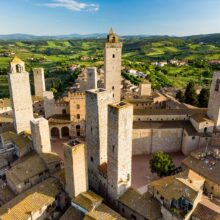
113, 52
39, 82
20, 93
96, 132
120, 125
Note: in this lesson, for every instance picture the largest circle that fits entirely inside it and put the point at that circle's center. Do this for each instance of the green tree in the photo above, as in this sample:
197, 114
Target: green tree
203, 98
190, 94
162, 164
180, 96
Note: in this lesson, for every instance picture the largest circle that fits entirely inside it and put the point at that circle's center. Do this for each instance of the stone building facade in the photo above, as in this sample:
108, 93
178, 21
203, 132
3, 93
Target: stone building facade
75, 162
113, 51
20, 94
96, 133
120, 123
40, 135
214, 100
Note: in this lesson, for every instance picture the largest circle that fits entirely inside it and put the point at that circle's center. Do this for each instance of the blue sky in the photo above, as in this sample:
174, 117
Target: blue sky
51, 17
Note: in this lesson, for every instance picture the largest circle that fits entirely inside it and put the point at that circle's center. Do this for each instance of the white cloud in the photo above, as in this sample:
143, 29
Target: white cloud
72, 5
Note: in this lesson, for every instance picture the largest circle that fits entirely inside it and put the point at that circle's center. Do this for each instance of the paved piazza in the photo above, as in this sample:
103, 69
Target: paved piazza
141, 174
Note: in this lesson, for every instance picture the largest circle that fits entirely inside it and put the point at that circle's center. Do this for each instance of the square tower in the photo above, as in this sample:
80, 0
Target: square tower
75, 168
20, 94
91, 78
41, 135
113, 51
120, 124
214, 100
96, 132
39, 82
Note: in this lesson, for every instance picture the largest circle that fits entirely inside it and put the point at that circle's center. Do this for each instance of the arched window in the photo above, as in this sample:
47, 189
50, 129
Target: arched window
18, 68
77, 106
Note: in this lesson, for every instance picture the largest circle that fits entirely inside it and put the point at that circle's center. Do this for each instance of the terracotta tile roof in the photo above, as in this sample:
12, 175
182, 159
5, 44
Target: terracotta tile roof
16, 60
145, 205
174, 187
205, 167
8, 136
206, 209
201, 118
59, 119
103, 212
25, 168
169, 111
88, 200
6, 119
31, 201
71, 214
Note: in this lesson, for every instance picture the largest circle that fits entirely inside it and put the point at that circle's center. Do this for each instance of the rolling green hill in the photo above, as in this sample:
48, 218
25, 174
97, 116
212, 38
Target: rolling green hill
138, 53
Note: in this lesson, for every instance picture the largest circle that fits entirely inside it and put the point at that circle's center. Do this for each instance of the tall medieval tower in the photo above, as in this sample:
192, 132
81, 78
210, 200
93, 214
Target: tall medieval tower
214, 100
75, 168
41, 135
20, 94
113, 51
120, 124
96, 133
39, 82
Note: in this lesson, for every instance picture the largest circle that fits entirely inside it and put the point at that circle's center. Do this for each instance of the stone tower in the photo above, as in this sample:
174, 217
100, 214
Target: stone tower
49, 103
96, 132
41, 135
91, 78
214, 100
75, 168
113, 51
39, 82
20, 94
120, 124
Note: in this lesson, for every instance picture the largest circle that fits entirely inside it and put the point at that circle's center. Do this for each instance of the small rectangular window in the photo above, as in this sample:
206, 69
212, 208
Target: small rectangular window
113, 56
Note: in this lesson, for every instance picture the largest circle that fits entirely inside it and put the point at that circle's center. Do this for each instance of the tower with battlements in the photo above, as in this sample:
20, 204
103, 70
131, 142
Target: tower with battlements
39, 82
75, 168
20, 94
113, 51
214, 100
120, 124
96, 133
41, 135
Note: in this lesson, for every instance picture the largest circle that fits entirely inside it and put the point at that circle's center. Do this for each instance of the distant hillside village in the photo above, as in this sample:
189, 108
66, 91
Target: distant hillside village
85, 155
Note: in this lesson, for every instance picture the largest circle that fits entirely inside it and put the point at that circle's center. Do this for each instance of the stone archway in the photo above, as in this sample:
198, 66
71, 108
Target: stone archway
55, 133
65, 132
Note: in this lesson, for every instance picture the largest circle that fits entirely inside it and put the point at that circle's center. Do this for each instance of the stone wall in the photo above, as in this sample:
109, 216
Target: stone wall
120, 123
41, 135
39, 82
214, 100
75, 168
96, 132
150, 140
113, 69
20, 94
